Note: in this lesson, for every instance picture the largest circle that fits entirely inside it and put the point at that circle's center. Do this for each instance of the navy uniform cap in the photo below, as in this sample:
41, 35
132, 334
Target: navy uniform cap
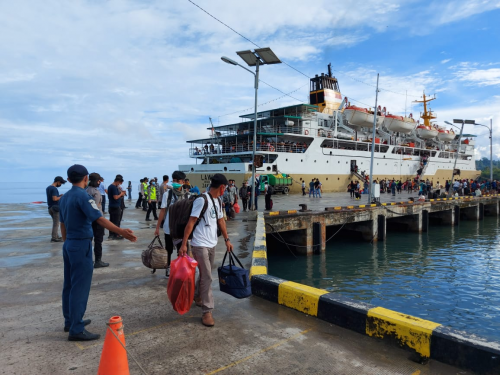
77, 171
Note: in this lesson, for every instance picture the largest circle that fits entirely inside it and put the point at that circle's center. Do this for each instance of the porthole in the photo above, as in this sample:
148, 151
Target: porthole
286, 159
327, 178
338, 178
268, 168
225, 169
327, 161
192, 169
315, 161
301, 160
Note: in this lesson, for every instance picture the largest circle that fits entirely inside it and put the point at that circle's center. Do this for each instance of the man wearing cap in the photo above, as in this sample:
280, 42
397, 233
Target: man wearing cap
115, 197
53, 197
204, 242
77, 212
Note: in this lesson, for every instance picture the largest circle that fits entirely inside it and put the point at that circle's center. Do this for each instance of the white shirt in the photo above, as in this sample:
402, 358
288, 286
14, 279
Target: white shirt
205, 234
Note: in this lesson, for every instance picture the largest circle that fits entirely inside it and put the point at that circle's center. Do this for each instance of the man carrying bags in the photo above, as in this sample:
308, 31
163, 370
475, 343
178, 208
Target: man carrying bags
204, 242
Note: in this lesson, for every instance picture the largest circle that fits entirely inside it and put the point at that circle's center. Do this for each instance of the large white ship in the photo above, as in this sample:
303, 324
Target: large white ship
329, 139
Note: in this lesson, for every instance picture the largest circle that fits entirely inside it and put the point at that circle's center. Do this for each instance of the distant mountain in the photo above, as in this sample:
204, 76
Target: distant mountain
484, 166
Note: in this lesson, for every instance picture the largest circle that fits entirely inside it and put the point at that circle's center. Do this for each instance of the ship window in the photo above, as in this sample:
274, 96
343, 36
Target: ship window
192, 169
225, 169
268, 168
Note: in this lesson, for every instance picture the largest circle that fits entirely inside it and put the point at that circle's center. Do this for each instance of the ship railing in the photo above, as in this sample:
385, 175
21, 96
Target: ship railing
266, 147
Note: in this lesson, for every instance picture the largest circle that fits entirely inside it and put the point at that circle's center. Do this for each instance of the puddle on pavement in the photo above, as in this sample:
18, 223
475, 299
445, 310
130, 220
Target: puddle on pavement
132, 252
21, 260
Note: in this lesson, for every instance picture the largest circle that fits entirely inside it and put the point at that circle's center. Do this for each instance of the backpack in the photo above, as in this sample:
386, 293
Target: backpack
180, 212
270, 190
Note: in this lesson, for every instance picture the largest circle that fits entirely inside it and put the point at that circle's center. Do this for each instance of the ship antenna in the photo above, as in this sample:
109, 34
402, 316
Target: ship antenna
330, 70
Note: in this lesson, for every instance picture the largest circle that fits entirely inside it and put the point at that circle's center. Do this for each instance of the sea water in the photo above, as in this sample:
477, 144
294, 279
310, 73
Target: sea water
450, 275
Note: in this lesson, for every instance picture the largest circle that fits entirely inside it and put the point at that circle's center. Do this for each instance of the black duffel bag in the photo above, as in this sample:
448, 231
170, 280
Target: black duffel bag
234, 280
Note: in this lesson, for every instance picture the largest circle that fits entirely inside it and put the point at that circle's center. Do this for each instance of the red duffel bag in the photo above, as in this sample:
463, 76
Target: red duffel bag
181, 284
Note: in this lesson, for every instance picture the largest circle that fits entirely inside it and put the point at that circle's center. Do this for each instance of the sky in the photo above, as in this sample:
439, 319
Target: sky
120, 86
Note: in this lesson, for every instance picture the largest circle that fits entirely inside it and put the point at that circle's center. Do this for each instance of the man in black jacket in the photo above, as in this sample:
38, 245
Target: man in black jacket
245, 192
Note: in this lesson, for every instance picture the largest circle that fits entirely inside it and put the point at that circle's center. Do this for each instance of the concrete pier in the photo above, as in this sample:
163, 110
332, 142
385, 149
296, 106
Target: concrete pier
308, 230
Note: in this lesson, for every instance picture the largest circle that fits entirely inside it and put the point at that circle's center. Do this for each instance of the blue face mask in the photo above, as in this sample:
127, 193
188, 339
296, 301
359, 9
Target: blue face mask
154, 183
176, 185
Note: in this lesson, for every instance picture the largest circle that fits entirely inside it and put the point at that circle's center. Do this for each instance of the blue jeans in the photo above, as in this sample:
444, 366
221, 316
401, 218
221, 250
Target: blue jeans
318, 192
78, 269
313, 191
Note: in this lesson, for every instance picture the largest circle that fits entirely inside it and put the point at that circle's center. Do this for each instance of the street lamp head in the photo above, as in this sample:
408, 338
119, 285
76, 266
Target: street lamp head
449, 123
455, 121
228, 60
470, 122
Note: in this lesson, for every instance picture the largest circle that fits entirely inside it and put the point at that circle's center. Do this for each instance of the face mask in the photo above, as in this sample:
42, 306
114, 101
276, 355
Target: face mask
154, 183
176, 185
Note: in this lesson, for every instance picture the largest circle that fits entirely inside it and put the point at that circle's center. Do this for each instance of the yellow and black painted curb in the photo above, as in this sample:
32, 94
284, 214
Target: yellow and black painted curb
426, 338
259, 255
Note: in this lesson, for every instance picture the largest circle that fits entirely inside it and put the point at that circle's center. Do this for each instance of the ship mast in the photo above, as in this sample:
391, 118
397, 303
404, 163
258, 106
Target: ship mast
427, 115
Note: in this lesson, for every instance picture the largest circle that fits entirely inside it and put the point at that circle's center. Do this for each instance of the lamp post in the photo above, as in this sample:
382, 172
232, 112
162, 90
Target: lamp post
463, 122
490, 128
260, 56
370, 188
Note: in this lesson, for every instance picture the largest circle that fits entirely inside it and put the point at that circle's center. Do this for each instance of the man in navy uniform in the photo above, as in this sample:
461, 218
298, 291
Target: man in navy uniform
77, 212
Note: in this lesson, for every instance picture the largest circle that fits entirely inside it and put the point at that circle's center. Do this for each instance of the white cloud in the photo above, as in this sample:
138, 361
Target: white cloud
445, 61
460, 9
474, 75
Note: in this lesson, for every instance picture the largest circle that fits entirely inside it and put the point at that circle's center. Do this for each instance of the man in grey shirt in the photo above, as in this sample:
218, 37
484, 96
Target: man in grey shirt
163, 189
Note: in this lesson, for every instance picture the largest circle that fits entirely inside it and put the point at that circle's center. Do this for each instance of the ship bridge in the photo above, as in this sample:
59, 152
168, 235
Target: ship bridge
286, 129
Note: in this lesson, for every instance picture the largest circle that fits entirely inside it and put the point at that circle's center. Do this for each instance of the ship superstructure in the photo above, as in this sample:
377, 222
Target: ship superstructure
330, 139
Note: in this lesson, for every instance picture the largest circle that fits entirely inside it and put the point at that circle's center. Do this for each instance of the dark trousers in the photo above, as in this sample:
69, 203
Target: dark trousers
145, 203
169, 246
245, 203
152, 208
303, 191
115, 214
268, 201
98, 238
78, 269
139, 201
103, 203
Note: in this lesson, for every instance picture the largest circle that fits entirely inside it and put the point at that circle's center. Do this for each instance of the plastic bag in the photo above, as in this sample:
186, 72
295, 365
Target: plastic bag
181, 284
237, 208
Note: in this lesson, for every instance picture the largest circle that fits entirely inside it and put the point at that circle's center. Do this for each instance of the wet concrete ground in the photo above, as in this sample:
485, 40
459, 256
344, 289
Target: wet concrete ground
251, 336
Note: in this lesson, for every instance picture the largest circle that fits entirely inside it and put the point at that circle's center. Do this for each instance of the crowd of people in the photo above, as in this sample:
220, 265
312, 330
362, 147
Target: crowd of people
80, 216
281, 146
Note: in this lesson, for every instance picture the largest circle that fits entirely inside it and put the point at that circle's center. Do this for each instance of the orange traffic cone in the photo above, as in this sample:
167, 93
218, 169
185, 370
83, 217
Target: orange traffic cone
114, 356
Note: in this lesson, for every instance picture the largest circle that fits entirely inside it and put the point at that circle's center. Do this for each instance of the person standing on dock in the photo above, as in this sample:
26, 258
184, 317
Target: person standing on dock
303, 188
104, 192
139, 199
151, 200
98, 230
77, 212
53, 198
115, 206
129, 188
311, 188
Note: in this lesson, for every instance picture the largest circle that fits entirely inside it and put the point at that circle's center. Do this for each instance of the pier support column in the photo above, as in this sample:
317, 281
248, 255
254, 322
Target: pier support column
381, 228
456, 214
446, 217
480, 215
470, 213
319, 234
425, 221
491, 209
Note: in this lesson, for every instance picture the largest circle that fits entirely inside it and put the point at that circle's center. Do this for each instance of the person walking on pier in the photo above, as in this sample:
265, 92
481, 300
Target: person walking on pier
97, 229
204, 242
244, 195
53, 198
77, 212
303, 188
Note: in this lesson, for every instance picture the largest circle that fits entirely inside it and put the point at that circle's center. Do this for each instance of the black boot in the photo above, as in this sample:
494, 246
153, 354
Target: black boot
100, 264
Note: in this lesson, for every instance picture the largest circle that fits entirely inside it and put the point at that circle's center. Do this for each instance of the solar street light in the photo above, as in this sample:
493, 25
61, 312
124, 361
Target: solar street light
260, 56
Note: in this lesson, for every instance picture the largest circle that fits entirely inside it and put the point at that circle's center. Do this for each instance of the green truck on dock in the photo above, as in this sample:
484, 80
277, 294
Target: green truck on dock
280, 182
